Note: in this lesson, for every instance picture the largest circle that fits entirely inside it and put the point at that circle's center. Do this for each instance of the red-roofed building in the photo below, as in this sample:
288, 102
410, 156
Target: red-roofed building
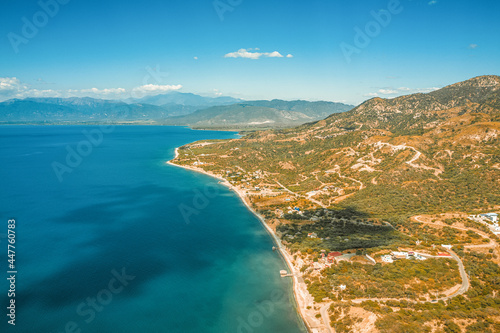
332, 255
444, 254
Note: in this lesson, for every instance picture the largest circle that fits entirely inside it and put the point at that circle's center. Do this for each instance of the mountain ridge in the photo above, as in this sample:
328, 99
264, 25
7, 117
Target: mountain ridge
251, 114
186, 99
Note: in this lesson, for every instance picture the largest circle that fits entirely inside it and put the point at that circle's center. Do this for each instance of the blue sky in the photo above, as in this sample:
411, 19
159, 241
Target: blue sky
248, 49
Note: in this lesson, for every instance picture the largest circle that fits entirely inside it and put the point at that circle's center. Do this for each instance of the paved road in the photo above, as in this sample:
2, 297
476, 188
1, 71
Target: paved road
465, 279
463, 275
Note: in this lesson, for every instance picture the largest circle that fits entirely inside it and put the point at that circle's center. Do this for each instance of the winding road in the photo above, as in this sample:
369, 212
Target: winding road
465, 279
302, 196
463, 288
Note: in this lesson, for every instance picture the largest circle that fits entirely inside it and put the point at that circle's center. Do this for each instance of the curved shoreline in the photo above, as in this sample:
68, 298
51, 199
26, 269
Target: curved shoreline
296, 284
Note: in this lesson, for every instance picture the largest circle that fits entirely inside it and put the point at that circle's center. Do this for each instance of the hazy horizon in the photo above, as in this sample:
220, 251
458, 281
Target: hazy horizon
333, 51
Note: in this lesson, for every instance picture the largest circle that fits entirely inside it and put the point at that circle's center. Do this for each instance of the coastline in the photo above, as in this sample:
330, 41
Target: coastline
302, 297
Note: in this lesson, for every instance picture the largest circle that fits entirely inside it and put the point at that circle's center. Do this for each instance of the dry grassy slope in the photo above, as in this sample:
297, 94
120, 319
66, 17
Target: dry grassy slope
418, 153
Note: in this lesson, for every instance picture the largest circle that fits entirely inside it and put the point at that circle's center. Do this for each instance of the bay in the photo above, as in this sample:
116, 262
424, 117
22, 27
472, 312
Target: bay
105, 246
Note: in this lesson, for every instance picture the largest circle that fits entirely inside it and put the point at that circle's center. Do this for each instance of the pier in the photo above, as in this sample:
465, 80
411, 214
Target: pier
284, 273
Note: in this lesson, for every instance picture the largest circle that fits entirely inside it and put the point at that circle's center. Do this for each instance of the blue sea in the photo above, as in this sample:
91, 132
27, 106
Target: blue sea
110, 238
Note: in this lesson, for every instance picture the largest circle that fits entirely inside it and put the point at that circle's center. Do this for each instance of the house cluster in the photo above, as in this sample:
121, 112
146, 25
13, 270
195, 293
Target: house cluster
294, 210
491, 219
389, 258
488, 217
332, 188
313, 193
324, 190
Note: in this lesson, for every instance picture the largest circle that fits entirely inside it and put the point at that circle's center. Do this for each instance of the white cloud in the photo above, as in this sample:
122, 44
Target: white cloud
248, 54
156, 88
425, 90
243, 53
112, 91
11, 87
274, 54
42, 93
432, 2
473, 46
393, 92
387, 91
195, 58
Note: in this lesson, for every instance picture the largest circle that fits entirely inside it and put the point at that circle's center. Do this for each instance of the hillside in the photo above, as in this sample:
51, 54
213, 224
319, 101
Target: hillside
319, 110
422, 153
260, 114
353, 197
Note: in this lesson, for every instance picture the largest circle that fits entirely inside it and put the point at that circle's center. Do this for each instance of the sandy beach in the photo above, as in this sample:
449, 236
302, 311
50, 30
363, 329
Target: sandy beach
302, 296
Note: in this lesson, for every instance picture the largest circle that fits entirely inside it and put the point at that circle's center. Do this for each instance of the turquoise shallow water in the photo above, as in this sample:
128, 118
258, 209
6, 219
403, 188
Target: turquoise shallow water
105, 247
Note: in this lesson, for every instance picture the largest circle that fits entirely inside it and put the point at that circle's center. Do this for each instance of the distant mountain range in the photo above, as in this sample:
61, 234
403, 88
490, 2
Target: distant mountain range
54, 110
174, 108
259, 114
185, 99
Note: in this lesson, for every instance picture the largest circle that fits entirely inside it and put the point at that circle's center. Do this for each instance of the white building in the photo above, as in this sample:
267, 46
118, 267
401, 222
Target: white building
493, 217
399, 255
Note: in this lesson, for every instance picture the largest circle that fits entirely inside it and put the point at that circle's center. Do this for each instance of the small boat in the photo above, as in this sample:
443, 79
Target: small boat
274, 248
